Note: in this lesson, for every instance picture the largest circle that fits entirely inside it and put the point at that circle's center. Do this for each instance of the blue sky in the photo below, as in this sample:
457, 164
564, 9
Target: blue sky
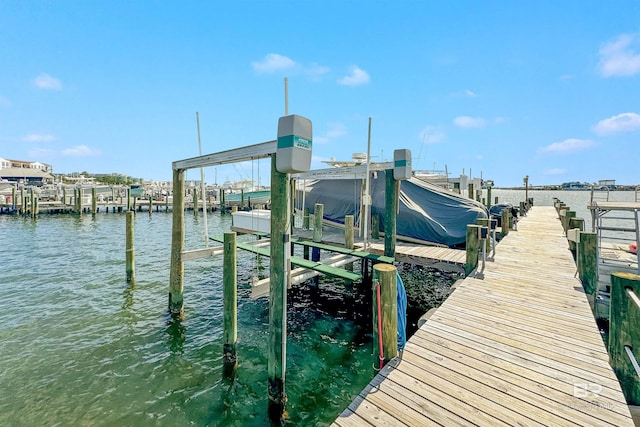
549, 89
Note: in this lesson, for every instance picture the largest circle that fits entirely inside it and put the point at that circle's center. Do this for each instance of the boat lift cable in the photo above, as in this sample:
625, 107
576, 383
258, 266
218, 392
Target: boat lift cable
203, 189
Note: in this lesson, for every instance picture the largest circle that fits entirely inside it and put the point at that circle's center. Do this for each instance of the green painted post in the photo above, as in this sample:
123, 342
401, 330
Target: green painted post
94, 201
230, 304
489, 197
279, 269
588, 264
176, 277
375, 226
384, 275
305, 219
348, 236
575, 223
130, 251
623, 332
391, 193
472, 248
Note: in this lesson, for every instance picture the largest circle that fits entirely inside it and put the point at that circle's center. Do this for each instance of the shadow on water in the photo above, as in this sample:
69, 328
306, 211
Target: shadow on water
176, 334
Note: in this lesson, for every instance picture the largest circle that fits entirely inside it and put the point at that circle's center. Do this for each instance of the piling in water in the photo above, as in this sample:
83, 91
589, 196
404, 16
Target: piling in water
131, 276
230, 303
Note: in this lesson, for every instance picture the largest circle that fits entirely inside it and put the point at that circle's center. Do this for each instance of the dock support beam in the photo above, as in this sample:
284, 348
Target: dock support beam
384, 275
278, 271
624, 337
391, 191
588, 264
230, 301
130, 256
176, 276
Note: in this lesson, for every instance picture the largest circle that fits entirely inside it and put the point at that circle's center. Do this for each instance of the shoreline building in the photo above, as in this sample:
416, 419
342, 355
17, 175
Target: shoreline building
19, 171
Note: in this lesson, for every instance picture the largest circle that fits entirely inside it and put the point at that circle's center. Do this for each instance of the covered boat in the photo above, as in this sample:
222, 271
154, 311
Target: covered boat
427, 212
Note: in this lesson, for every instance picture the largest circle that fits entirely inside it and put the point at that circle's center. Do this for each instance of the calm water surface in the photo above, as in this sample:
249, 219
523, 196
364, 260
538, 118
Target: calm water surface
81, 347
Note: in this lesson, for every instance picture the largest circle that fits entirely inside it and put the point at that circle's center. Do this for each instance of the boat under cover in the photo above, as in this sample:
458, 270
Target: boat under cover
426, 212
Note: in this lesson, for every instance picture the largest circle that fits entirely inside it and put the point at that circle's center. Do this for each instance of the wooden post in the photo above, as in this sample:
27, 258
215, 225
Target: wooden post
391, 192
575, 223
33, 203
94, 201
176, 277
22, 205
279, 270
489, 197
318, 213
384, 275
470, 190
130, 258
506, 214
166, 203
567, 218
588, 264
305, 219
129, 198
230, 304
472, 247
195, 202
623, 332
348, 237
375, 226
484, 222
496, 200
64, 196
150, 204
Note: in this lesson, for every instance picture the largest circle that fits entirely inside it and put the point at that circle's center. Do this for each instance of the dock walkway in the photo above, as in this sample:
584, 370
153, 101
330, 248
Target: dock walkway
518, 346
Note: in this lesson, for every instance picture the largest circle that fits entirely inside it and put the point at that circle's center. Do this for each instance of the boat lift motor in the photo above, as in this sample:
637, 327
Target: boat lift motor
293, 152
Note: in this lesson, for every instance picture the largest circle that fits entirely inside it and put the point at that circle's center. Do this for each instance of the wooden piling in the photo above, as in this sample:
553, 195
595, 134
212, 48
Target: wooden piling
348, 237
470, 190
230, 304
391, 193
318, 213
195, 202
575, 223
32, 199
305, 219
489, 197
64, 196
130, 252
506, 214
13, 196
279, 269
129, 198
623, 332
176, 277
472, 248
375, 226
587, 259
384, 275
22, 204
150, 205
94, 201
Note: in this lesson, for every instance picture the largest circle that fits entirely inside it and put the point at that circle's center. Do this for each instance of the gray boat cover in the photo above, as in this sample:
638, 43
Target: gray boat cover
426, 212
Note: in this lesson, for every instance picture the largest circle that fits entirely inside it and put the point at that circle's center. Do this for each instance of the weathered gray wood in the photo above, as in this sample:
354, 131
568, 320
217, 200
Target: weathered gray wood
130, 249
176, 278
230, 304
472, 248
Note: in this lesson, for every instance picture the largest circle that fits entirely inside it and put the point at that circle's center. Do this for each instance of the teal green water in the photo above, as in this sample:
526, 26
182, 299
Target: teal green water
81, 347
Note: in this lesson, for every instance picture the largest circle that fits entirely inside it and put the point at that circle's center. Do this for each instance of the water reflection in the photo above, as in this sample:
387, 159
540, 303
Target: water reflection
176, 332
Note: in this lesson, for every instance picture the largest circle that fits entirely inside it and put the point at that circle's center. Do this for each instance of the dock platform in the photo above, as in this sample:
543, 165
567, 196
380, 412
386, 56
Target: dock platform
515, 345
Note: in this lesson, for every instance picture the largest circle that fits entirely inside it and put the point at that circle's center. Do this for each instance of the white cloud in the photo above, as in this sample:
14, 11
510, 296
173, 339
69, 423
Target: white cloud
316, 71
272, 63
555, 171
38, 137
355, 77
41, 153
625, 122
45, 81
334, 130
431, 135
470, 93
80, 151
566, 77
619, 58
469, 122
567, 146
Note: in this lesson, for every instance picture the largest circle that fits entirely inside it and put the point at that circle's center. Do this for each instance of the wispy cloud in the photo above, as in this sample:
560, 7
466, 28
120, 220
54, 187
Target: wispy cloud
273, 63
45, 81
625, 122
555, 171
41, 153
469, 122
566, 77
334, 130
38, 137
431, 135
620, 56
567, 146
316, 71
80, 151
355, 77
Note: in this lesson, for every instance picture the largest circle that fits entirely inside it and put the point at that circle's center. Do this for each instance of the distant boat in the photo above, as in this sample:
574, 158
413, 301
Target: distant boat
249, 197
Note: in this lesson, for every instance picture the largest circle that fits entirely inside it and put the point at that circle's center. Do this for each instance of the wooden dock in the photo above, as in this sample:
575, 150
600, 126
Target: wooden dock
517, 345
